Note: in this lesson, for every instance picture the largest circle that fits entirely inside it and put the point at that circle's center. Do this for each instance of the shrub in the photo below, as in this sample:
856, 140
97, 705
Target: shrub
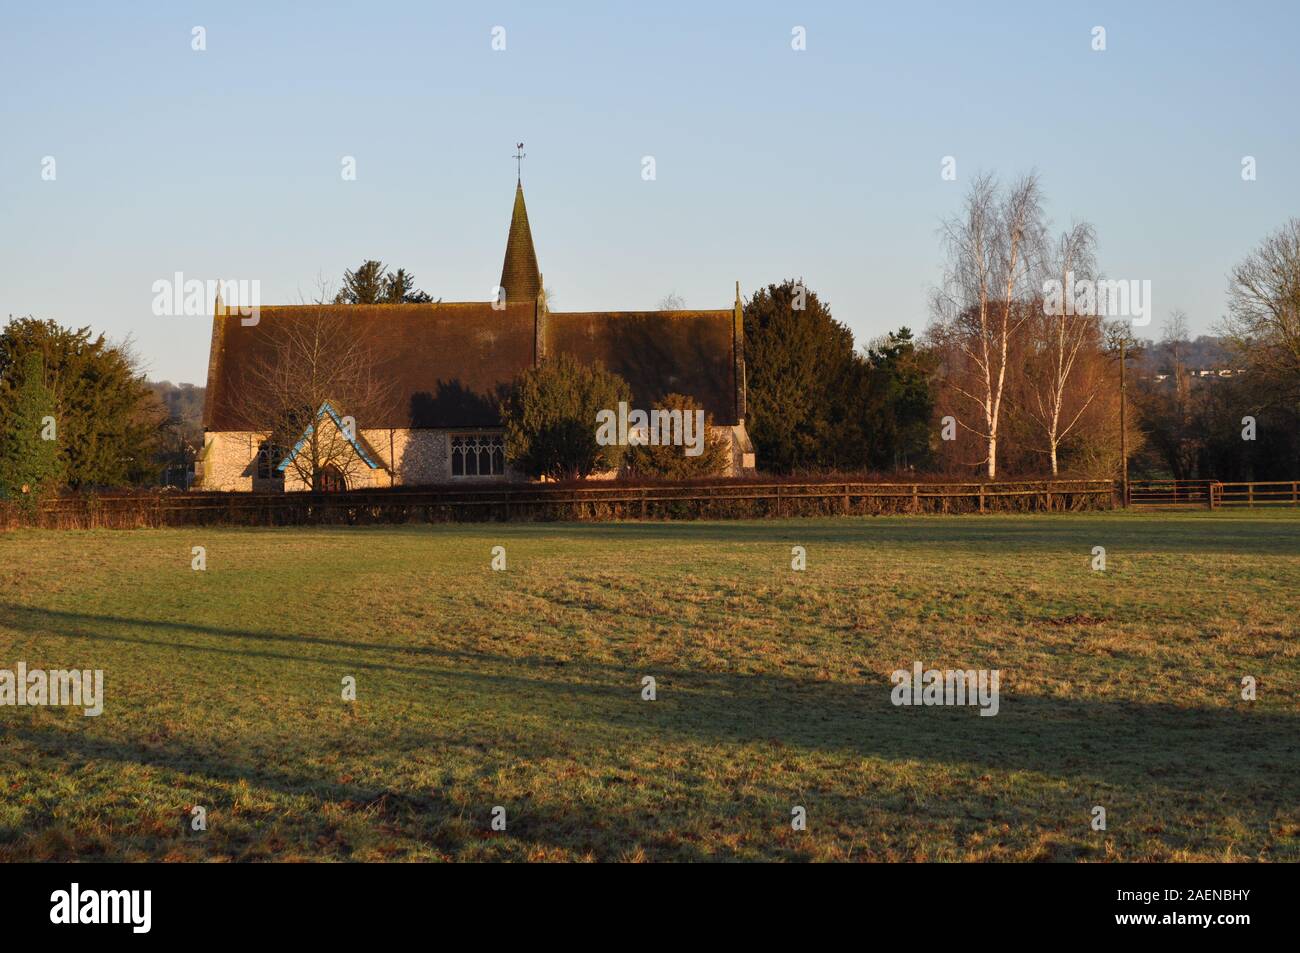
672, 462
550, 419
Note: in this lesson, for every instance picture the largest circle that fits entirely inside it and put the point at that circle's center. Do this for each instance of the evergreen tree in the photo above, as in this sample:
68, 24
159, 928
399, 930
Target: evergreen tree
900, 402
366, 285
802, 372
400, 287
817, 403
372, 283
30, 468
550, 419
109, 421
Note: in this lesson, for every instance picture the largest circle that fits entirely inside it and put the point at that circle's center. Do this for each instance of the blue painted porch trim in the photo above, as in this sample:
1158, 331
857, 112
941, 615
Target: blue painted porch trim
325, 408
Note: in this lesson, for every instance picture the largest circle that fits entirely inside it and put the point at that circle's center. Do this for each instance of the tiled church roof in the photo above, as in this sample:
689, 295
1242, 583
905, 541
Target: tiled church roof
450, 363
656, 352
446, 362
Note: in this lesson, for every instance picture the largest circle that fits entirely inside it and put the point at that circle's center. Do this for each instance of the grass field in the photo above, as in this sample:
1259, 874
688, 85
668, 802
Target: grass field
523, 688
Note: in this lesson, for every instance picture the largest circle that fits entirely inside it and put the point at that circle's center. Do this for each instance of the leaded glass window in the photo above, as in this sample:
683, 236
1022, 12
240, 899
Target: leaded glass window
478, 454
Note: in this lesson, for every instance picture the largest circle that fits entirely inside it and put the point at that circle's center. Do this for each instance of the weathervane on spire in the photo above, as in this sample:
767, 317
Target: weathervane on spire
519, 160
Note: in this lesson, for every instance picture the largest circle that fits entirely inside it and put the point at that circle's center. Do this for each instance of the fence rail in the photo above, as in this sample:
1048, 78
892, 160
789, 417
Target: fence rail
743, 499
1277, 493
754, 499
1212, 494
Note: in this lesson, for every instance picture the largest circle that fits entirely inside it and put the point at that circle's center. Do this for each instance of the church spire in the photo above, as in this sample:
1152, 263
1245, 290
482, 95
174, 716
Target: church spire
519, 275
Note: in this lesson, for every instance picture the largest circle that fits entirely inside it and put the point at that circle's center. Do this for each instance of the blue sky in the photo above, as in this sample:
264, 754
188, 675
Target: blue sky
822, 164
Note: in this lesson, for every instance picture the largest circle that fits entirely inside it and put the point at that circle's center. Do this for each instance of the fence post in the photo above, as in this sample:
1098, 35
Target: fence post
1250, 495
846, 499
916, 499
1047, 495
981, 497
1295, 497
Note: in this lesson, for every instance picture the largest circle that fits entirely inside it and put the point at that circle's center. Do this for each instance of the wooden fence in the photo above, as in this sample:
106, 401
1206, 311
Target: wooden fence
1284, 493
724, 500
1212, 494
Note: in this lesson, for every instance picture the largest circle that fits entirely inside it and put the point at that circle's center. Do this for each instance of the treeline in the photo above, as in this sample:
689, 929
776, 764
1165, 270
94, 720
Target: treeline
1018, 371
1244, 425
818, 402
1006, 380
1212, 410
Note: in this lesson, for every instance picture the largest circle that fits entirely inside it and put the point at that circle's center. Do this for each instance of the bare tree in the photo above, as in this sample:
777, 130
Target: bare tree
994, 249
1264, 308
1176, 336
1064, 372
671, 302
313, 362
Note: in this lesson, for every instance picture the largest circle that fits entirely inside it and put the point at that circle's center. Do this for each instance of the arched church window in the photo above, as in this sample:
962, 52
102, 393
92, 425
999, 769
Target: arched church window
478, 454
268, 458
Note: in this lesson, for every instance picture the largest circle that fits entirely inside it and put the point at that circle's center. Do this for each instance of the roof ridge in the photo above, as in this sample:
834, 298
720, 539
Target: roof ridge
676, 312
428, 305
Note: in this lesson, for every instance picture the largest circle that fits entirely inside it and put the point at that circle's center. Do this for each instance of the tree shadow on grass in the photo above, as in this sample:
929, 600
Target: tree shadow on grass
422, 815
1269, 534
117, 629
1242, 751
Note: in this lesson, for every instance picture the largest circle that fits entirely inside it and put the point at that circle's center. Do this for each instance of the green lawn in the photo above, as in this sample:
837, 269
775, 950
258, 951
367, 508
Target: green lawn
523, 689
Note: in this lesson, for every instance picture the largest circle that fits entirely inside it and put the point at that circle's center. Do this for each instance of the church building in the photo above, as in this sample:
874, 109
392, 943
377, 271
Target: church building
448, 365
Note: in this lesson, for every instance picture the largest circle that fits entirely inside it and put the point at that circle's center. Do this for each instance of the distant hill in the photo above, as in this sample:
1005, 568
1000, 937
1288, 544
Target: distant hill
1207, 352
184, 403
183, 434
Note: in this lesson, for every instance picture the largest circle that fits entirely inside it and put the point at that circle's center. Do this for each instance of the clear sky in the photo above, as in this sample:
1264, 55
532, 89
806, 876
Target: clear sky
770, 162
